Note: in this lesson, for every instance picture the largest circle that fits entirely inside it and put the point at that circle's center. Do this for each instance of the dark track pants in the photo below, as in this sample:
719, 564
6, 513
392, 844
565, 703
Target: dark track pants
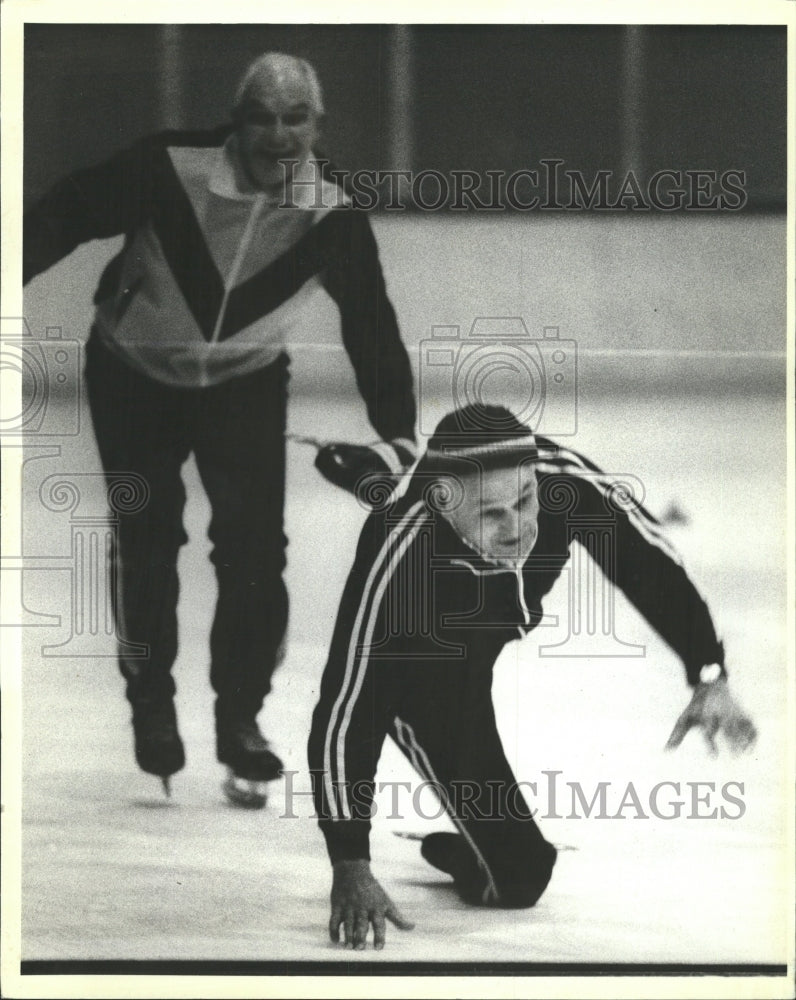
447, 730
236, 431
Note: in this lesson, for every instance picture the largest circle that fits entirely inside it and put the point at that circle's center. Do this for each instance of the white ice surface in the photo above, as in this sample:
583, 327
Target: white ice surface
112, 870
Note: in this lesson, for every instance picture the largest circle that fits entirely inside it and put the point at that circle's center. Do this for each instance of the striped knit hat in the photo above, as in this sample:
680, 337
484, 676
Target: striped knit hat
492, 436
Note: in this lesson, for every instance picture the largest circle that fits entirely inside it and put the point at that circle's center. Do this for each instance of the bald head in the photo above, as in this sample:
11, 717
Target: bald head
276, 73
277, 110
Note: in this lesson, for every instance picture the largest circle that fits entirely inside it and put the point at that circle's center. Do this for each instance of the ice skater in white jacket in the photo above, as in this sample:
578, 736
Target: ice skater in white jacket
229, 235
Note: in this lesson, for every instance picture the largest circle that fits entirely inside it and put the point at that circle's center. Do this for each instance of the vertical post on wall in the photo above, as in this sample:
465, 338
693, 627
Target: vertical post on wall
400, 102
632, 98
171, 76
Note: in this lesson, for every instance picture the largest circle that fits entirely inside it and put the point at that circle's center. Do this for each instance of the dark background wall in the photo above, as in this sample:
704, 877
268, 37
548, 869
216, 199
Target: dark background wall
482, 97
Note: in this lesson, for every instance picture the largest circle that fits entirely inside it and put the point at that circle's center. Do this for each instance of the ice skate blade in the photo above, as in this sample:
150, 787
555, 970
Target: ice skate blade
422, 836
243, 793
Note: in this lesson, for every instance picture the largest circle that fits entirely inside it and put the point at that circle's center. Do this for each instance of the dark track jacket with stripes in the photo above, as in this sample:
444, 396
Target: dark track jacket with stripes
421, 614
212, 275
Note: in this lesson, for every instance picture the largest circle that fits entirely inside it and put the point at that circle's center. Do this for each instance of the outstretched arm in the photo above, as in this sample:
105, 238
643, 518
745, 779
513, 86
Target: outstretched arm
350, 722
107, 199
644, 564
93, 203
370, 333
641, 560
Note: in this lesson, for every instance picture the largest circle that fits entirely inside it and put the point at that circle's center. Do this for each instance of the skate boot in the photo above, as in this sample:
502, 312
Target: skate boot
250, 762
445, 851
158, 747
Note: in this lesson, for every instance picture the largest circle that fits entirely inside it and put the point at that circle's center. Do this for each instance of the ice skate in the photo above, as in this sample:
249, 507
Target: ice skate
250, 763
244, 792
158, 747
406, 835
445, 851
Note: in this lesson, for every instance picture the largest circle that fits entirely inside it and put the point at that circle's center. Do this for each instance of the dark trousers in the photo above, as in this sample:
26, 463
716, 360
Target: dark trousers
236, 432
446, 727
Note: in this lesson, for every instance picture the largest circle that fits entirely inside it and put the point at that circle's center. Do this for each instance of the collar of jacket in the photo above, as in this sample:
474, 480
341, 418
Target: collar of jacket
461, 553
227, 179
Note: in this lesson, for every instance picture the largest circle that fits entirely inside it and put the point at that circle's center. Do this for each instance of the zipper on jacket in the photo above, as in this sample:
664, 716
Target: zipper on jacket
521, 595
237, 263
517, 571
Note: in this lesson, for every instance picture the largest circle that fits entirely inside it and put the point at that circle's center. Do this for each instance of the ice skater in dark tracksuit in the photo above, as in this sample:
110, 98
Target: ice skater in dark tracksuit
442, 580
231, 237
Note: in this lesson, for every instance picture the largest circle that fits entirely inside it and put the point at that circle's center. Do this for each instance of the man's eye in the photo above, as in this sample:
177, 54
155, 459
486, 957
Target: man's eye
298, 118
527, 498
259, 118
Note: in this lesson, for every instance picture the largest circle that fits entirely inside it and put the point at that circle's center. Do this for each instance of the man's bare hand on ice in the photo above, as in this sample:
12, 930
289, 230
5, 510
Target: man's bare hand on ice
713, 710
358, 901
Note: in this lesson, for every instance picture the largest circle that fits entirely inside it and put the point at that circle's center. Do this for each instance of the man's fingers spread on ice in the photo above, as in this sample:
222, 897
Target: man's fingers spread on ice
710, 728
360, 929
681, 727
742, 734
379, 930
396, 917
334, 924
348, 924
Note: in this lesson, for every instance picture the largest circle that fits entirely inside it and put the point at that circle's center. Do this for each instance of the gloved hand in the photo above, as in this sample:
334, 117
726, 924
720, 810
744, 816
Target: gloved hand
370, 472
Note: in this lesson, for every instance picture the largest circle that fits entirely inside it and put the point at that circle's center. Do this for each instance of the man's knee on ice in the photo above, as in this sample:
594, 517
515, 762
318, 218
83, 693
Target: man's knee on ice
520, 887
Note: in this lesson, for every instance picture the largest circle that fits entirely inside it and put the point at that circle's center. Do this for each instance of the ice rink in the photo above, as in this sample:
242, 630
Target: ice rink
112, 870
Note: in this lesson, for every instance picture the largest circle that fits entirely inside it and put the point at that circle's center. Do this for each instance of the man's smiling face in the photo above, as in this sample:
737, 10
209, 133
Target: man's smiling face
275, 124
